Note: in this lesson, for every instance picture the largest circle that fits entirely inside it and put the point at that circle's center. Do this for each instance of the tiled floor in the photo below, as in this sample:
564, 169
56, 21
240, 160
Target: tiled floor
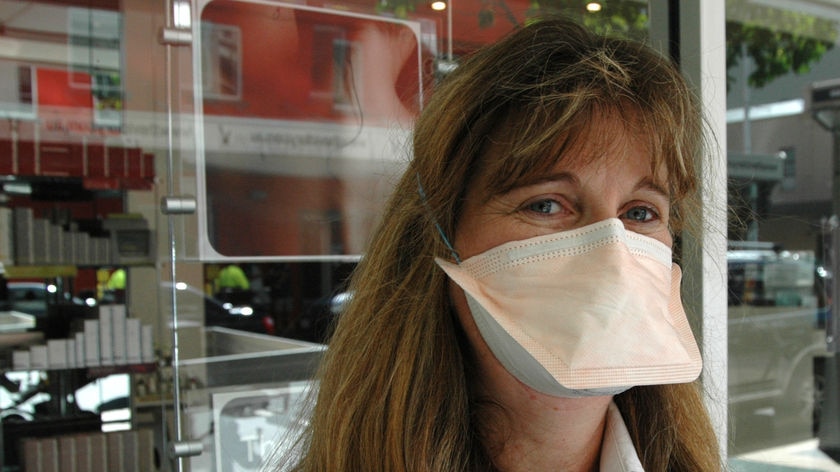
804, 456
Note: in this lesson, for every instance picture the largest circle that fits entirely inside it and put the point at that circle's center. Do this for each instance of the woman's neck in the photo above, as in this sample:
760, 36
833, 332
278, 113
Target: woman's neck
540, 432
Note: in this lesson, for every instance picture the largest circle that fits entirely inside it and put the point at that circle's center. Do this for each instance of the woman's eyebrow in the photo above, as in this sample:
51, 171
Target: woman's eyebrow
557, 177
537, 179
647, 183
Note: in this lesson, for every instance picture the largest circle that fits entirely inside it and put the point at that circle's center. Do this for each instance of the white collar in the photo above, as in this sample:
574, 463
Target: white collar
617, 451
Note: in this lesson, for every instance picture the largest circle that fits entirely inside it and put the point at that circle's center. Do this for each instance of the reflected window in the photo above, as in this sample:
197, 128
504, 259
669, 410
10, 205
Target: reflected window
221, 60
301, 162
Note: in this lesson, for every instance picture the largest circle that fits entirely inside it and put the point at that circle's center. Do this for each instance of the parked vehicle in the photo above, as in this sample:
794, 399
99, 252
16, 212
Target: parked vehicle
34, 297
195, 307
775, 336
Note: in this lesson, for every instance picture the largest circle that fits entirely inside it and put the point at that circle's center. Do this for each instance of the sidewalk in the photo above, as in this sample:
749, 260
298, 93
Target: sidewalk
803, 456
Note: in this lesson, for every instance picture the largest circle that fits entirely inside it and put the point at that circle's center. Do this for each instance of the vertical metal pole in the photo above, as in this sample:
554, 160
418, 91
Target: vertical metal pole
747, 124
835, 159
449, 39
170, 219
829, 432
752, 226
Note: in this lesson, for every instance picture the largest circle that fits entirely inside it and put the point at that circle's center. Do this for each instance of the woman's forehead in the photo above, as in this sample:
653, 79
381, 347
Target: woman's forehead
607, 142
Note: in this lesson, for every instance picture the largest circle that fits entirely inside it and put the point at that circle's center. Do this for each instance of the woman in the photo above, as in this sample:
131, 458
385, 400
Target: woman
551, 134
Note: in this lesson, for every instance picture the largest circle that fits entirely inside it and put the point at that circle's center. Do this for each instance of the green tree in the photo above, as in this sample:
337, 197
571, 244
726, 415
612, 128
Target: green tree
777, 41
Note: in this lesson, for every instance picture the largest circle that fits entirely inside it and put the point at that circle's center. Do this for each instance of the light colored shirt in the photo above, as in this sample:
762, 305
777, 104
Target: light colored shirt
617, 451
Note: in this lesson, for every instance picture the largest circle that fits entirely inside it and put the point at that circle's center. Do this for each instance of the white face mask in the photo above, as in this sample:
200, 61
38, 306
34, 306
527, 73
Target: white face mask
591, 311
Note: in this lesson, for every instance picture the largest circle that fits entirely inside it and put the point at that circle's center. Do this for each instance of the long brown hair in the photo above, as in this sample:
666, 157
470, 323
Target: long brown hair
395, 391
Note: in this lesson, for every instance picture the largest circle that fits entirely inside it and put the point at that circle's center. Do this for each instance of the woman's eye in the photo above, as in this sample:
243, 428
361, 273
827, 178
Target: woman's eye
640, 213
545, 207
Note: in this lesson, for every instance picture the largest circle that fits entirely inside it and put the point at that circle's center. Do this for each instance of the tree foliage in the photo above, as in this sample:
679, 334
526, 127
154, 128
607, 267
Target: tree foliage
776, 42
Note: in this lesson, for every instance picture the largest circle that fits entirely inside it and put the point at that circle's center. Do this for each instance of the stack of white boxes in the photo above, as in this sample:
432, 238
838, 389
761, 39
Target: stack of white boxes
34, 240
120, 451
112, 340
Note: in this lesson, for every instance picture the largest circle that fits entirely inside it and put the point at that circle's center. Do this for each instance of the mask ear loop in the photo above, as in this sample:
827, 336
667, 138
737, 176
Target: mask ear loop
437, 225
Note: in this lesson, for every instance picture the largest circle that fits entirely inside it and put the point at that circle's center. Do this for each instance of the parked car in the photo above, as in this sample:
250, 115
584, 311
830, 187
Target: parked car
775, 338
33, 298
195, 308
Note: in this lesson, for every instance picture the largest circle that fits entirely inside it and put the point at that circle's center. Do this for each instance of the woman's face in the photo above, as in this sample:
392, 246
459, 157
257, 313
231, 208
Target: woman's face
606, 176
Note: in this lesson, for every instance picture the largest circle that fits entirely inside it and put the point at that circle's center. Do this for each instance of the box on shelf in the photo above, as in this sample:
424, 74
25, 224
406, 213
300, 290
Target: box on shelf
96, 162
21, 359
8, 166
112, 339
71, 353
117, 161
41, 241
31, 240
7, 236
60, 159
67, 453
118, 330
117, 451
57, 354
80, 348
115, 445
106, 336
27, 163
23, 235
133, 341
39, 357
147, 344
91, 331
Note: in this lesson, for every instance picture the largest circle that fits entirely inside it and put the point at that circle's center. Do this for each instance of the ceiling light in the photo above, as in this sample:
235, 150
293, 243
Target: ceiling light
593, 7
439, 5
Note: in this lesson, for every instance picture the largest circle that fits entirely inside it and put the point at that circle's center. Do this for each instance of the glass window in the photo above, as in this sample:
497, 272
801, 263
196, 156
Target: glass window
305, 111
288, 122
780, 193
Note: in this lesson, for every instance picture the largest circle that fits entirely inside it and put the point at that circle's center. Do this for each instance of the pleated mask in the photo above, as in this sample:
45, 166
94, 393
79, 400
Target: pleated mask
591, 311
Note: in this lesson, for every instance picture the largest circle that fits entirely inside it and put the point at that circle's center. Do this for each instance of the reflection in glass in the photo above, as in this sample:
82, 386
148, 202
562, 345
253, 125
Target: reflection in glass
779, 191
305, 116
307, 109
